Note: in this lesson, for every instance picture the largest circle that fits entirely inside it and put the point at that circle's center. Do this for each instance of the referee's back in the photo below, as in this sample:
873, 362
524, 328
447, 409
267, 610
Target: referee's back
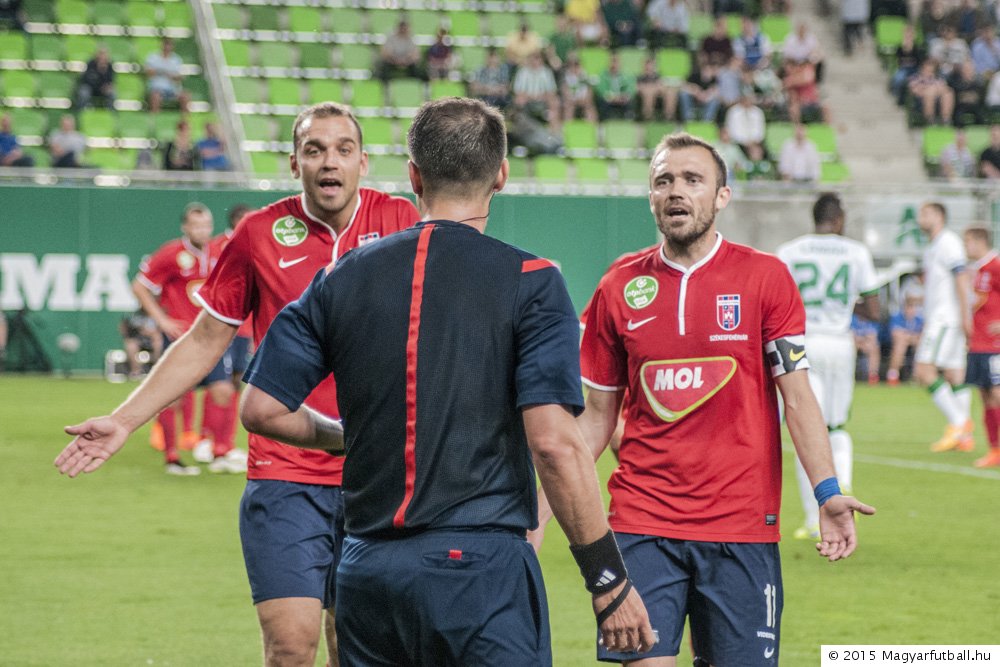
437, 336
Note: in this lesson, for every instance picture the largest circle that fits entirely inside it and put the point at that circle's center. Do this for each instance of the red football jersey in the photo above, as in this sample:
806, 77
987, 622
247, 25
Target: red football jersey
621, 261
174, 273
986, 308
220, 242
701, 454
272, 257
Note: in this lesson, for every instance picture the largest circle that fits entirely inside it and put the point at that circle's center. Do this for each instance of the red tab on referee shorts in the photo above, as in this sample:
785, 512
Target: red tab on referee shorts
455, 554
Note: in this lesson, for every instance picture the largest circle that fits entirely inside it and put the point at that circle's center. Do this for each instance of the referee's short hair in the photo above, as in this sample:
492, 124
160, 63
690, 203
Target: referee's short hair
827, 209
325, 110
458, 144
679, 140
194, 207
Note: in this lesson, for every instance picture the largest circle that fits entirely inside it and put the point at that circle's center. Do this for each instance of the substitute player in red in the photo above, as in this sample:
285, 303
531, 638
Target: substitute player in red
165, 289
701, 333
291, 515
983, 367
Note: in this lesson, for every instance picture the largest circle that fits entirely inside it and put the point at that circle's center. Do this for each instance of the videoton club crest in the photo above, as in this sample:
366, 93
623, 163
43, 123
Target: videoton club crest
727, 311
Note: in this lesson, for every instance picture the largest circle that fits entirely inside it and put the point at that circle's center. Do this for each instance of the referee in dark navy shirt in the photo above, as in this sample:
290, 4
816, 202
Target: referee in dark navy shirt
457, 366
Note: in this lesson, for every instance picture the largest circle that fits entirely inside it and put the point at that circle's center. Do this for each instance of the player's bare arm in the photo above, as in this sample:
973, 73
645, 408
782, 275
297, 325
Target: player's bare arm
183, 365
168, 325
265, 415
808, 430
569, 479
963, 287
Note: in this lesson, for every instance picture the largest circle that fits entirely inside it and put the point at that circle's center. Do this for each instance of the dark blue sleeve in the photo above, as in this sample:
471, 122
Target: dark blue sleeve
291, 361
548, 343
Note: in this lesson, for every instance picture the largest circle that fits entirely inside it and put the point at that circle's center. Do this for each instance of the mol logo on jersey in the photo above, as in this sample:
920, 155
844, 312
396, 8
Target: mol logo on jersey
727, 311
676, 387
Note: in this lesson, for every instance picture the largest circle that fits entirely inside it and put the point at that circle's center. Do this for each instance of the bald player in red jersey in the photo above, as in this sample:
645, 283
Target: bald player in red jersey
291, 514
983, 367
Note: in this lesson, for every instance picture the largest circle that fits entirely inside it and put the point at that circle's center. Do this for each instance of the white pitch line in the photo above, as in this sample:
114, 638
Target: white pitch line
922, 465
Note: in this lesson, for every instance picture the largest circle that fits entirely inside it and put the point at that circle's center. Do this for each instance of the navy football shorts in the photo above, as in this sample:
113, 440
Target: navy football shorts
292, 535
239, 352
983, 370
223, 369
732, 593
442, 598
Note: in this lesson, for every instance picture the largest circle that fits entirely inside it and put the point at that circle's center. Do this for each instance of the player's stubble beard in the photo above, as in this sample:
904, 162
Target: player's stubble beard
681, 239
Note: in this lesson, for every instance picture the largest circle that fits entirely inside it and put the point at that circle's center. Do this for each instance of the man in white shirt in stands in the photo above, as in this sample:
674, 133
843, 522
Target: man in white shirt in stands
799, 160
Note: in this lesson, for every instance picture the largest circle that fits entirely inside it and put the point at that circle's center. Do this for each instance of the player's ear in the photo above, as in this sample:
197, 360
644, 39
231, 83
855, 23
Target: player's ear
722, 197
293, 163
502, 176
416, 183
364, 163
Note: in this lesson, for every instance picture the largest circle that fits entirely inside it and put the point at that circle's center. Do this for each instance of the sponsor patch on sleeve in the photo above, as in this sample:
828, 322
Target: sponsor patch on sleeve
787, 354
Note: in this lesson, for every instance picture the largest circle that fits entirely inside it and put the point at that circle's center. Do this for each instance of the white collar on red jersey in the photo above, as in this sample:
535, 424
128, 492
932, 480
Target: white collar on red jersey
983, 261
701, 262
302, 199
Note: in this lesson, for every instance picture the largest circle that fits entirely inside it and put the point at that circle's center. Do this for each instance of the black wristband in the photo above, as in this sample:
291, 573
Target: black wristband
600, 564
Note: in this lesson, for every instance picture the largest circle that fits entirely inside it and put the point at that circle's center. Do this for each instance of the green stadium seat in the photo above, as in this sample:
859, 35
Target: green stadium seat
378, 131
56, 84
388, 167
315, 55
165, 125
177, 15
544, 23
935, 138
633, 171
655, 132
28, 122
47, 47
776, 27
39, 11
380, 21
444, 88
13, 46
325, 90
284, 91
889, 33
502, 24
197, 88
269, 164
98, 123
520, 167
134, 124
368, 93
473, 57
108, 12
143, 46
425, 22
825, 138
346, 21
406, 93
776, 134
699, 26
621, 135
978, 137
141, 13
674, 63
247, 90
463, 23
357, 57
236, 52
580, 135
734, 22
592, 170
306, 19
264, 17
285, 126
257, 128
276, 54
72, 11
594, 60
187, 49
230, 17
197, 121
80, 48
632, 60
834, 172
120, 49
112, 159
703, 130
551, 168
403, 127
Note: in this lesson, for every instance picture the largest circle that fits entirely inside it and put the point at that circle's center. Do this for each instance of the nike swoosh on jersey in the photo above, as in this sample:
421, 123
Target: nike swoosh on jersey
768, 652
632, 326
282, 264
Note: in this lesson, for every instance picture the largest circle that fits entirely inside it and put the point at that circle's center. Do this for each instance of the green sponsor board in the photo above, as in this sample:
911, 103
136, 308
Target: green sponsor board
68, 254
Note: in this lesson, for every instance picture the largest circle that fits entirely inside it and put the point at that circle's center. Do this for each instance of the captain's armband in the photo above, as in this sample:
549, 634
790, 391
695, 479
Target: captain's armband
787, 354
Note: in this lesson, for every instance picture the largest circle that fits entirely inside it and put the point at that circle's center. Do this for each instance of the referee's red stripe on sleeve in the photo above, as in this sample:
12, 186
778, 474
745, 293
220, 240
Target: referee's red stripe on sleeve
416, 299
530, 265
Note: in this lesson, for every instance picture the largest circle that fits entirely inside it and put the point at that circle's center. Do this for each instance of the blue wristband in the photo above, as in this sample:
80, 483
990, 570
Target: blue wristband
826, 489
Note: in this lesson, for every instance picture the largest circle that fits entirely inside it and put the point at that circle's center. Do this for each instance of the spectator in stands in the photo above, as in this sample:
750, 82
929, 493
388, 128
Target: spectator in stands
716, 48
799, 160
869, 349
935, 100
802, 93
752, 46
956, 160
67, 144
535, 91
96, 82
440, 56
854, 16
989, 159
759, 167
949, 50
967, 18
399, 55
904, 329
986, 51
491, 82
12, 14
11, 154
933, 15
992, 99
179, 153
211, 150
615, 91
653, 88
909, 55
745, 123
577, 92
164, 80
589, 21
623, 20
700, 93
668, 23
560, 43
730, 80
766, 89
522, 44
802, 46
969, 95
737, 163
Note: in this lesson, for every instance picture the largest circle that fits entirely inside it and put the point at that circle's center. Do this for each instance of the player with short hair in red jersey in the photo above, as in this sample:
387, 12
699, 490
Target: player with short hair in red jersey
291, 514
702, 333
983, 367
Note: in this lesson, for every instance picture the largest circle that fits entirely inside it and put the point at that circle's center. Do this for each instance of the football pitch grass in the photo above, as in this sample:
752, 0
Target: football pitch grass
129, 566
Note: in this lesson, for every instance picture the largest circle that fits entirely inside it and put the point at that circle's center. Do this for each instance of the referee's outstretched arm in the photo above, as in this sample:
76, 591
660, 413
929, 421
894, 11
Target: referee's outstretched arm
566, 469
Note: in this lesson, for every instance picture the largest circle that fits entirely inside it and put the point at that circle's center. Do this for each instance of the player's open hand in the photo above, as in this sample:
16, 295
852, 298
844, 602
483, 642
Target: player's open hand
627, 629
96, 441
838, 537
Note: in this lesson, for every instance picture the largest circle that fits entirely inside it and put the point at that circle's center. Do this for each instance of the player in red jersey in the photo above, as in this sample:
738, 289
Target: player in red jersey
983, 367
165, 288
701, 333
291, 515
